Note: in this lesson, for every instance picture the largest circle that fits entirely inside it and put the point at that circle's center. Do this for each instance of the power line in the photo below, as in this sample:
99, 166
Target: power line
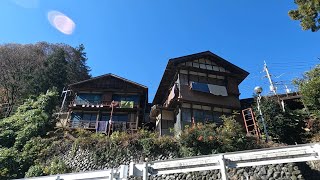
293, 62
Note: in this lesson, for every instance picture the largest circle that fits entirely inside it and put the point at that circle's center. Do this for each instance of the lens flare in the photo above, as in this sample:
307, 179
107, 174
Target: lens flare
27, 3
61, 22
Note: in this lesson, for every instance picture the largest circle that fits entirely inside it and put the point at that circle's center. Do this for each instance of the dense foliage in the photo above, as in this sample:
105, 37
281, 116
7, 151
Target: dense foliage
32, 69
32, 119
307, 13
283, 127
309, 87
209, 138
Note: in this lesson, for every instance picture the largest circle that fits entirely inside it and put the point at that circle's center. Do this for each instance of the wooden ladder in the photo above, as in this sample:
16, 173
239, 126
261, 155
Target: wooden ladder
250, 122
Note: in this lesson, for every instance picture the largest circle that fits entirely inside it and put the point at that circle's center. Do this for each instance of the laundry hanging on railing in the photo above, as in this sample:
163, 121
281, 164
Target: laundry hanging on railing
126, 104
102, 126
218, 90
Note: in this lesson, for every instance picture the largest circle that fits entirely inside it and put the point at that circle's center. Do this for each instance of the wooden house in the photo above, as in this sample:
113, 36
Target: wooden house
196, 88
107, 102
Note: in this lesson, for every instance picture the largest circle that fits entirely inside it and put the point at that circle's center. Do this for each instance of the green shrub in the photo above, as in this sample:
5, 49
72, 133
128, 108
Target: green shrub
232, 136
148, 146
33, 151
81, 133
119, 137
167, 144
57, 166
7, 138
202, 139
199, 139
9, 163
34, 171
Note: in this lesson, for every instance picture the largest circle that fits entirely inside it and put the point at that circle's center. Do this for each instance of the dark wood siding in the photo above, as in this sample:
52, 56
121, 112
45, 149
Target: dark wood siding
232, 86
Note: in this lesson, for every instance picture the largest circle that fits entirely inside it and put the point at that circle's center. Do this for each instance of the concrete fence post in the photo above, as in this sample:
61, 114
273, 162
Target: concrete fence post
223, 169
145, 171
123, 174
111, 174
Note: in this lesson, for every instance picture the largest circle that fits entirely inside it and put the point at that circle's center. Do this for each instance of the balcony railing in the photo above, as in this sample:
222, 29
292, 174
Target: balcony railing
96, 125
98, 104
83, 124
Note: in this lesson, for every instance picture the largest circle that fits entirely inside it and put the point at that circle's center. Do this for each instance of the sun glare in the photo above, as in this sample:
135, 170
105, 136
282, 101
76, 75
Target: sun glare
61, 22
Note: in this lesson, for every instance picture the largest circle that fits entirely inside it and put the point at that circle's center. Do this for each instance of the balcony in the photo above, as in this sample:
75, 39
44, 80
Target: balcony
103, 126
101, 104
104, 100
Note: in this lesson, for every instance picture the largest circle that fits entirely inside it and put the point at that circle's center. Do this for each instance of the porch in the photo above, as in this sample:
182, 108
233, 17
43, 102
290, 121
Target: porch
100, 121
103, 126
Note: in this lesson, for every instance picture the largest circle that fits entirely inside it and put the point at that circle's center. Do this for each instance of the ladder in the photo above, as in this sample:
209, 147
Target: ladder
250, 122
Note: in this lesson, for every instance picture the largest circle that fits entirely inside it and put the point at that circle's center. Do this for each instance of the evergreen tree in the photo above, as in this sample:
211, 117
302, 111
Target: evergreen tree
55, 72
307, 13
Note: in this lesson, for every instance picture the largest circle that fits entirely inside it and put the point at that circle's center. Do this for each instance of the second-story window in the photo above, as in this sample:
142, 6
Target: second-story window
115, 117
120, 97
89, 117
208, 83
88, 98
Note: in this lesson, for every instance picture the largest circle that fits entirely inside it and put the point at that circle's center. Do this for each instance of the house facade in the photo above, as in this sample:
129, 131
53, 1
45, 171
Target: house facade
107, 103
196, 88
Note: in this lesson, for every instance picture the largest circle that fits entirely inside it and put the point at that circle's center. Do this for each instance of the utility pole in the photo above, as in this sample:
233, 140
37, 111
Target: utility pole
65, 93
272, 86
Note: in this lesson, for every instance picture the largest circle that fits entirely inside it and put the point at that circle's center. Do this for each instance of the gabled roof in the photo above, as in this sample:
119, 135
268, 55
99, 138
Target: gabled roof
170, 71
211, 56
109, 75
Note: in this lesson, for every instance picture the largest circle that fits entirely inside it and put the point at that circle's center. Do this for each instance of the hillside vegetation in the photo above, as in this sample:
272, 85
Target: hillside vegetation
31, 146
31, 69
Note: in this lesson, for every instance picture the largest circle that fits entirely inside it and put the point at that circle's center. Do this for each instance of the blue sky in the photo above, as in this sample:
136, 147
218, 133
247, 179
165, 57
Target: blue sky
135, 38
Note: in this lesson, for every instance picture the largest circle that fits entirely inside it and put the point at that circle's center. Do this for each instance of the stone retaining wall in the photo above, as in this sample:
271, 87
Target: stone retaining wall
81, 160
290, 171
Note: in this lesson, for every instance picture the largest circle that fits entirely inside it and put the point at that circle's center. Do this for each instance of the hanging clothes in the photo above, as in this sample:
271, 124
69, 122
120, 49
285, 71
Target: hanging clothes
174, 93
126, 104
218, 90
102, 126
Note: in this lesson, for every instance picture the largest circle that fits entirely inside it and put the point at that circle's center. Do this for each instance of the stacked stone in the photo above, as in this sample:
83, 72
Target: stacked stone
290, 171
270, 172
83, 160
80, 160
